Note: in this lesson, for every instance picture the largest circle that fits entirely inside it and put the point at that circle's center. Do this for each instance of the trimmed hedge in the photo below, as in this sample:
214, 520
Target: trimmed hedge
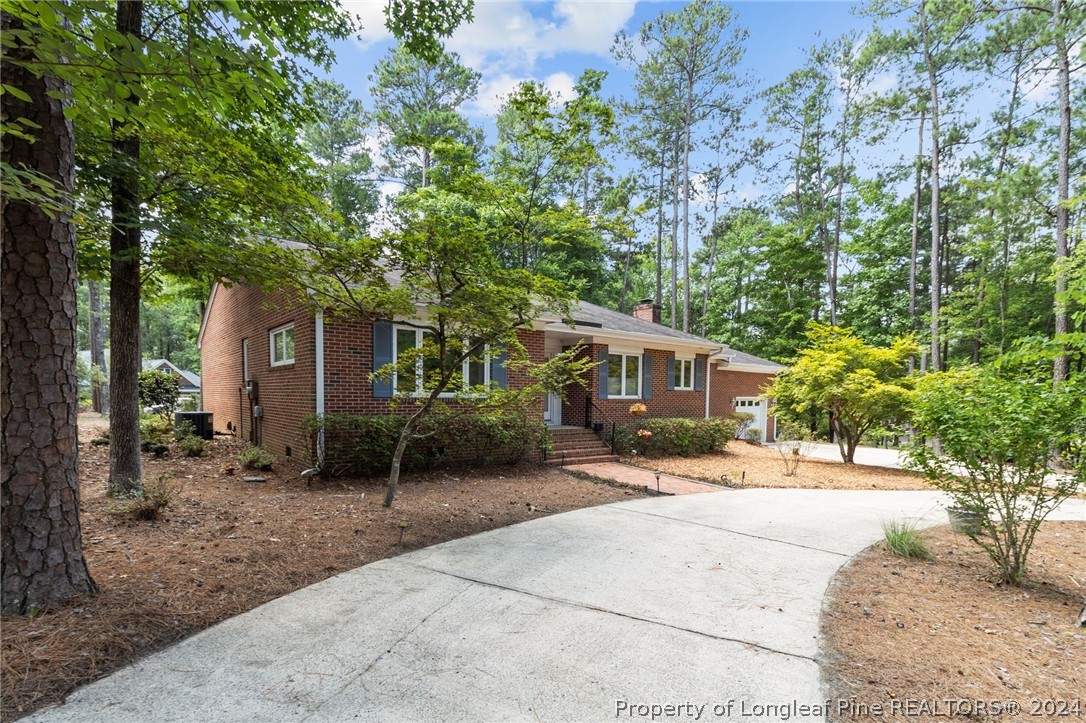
677, 436
362, 446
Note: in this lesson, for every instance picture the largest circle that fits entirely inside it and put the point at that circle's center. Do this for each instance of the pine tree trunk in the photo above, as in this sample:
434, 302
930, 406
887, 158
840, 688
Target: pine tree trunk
686, 203
125, 470
41, 549
660, 235
675, 238
936, 284
1060, 366
915, 247
96, 333
836, 253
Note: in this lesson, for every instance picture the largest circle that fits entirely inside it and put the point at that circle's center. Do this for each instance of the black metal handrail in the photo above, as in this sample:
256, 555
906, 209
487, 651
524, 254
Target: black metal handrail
589, 405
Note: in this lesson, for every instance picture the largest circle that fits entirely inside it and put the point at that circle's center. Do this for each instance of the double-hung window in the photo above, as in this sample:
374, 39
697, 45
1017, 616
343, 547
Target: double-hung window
624, 376
281, 344
409, 379
684, 374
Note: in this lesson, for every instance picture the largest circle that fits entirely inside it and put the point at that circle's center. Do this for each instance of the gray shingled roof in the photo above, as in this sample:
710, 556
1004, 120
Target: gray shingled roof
588, 314
735, 356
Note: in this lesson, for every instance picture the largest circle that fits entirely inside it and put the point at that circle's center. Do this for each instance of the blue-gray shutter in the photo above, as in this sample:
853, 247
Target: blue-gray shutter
646, 376
382, 355
699, 374
604, 357
671, 373
498, 373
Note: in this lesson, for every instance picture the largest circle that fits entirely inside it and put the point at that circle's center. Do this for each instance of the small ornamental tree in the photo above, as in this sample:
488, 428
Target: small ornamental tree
159, 389
1011, 451
859, 385
457, 307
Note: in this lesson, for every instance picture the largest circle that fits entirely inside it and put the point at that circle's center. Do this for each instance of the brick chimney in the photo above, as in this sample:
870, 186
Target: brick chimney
648, 310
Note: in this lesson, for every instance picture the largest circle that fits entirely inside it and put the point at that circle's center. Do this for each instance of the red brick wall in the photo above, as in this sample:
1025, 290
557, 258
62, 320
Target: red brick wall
286, 393
729, 384
348, 363
664, 402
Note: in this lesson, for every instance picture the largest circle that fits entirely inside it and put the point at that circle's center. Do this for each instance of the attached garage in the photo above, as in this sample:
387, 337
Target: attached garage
738, 381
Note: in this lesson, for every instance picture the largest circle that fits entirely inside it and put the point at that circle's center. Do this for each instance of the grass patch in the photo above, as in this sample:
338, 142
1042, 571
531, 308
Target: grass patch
904, 540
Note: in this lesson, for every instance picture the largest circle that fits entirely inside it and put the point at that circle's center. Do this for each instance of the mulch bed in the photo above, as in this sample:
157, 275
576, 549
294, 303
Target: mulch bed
225, 546
927, 640
750, 465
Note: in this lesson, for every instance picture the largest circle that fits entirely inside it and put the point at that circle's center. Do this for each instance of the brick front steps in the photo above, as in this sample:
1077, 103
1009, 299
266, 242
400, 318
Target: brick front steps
574, 445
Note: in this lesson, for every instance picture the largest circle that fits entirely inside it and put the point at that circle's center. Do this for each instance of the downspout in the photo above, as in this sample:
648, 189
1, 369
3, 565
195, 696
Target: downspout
320, 388
708, 376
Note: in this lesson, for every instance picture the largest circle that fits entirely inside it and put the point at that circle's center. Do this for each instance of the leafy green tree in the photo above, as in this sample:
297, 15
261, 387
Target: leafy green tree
417, 102
700, 47
335, 138
159, 389
542, 150
441, 250
859, 385
998, 430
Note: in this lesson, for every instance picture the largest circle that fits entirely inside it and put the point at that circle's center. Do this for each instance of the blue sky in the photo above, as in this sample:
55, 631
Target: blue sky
510, 41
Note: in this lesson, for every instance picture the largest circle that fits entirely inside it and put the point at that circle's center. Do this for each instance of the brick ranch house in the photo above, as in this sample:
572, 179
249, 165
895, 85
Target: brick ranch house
268, 363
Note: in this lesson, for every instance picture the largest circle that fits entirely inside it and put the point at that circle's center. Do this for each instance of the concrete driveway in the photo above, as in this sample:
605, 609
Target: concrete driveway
706, 603
873, 456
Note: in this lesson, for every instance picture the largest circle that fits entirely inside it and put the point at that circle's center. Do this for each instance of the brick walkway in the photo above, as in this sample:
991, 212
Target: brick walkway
637, 477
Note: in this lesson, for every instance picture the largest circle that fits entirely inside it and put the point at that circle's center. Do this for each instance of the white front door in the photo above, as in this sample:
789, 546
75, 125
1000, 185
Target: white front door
552, 415
757, 408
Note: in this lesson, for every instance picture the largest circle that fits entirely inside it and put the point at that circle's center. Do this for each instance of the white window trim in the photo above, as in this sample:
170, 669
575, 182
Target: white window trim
271, 345
611, 356
418, 364
689, 385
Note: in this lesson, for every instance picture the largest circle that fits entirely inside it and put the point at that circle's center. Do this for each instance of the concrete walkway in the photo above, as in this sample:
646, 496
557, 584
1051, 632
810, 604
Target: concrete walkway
627, 474
708, 600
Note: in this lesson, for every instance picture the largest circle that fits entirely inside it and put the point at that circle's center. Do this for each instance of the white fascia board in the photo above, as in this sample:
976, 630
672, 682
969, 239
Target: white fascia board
751, 368
648, 341
207, 312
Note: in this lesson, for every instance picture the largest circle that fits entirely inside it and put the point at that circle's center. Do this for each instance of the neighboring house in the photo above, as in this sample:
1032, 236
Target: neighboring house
269, 363
189, 381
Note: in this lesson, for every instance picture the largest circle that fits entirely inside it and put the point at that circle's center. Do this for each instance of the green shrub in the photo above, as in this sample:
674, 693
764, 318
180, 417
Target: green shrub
155, 429
903, 540
998, 437
363, 445
743, 420
188, 403
100, 441
684, 437
153, 445
148, 502
185, 429
192, 446
753, 434
256, 458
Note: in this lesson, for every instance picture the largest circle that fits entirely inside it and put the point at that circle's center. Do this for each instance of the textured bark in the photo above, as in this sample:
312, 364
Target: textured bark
1060, 366
125, 467
41, 553
915, 246
933, 89
675, 237
97, 335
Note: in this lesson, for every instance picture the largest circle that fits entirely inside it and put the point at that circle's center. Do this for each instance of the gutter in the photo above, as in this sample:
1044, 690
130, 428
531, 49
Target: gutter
654, 341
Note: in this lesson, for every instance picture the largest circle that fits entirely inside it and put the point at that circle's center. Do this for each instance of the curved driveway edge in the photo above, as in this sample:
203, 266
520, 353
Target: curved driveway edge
706, 603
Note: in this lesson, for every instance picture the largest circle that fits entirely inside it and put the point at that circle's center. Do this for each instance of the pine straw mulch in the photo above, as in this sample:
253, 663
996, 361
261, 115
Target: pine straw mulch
764, 467
928, 632
225, 546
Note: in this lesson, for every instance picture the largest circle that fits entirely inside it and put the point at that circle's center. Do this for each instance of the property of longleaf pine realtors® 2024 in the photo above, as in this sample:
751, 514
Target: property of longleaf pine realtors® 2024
794, 709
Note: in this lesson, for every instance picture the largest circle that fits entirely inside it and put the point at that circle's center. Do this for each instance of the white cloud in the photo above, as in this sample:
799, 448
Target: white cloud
505, 34
494, 91
371, 14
